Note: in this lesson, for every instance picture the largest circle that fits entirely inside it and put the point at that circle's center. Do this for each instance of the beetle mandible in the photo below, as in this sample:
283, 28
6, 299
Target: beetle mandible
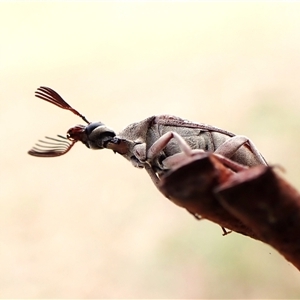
149, 143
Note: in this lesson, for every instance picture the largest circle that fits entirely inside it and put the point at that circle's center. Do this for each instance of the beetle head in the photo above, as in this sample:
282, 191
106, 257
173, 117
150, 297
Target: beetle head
95, 135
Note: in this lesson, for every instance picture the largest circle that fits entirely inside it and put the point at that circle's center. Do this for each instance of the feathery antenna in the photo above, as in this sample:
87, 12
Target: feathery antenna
49, 149
51, 96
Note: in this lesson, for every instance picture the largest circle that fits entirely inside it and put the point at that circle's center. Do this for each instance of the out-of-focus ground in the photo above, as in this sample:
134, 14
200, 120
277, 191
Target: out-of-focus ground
89, 225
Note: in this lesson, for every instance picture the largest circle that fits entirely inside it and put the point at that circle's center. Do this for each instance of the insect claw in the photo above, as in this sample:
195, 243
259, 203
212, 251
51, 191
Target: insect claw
225, 232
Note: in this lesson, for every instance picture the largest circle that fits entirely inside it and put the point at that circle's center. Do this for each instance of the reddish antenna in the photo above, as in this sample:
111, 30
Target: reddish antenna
51, 96
60, 145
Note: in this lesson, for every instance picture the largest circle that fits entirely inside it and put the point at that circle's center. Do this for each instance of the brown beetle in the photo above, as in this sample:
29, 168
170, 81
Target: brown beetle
154, 143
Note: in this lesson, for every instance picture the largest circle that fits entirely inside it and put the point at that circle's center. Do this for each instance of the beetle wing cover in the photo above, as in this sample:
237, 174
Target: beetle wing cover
178, 122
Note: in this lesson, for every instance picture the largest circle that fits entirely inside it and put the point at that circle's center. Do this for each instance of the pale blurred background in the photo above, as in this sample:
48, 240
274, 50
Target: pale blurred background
88, 224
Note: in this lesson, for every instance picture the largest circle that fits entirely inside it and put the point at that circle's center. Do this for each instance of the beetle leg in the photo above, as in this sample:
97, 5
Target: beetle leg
152, 175
230, 147
162, 142
234, 166
225, 232
139, 151
155, 179
195, 215
158, 146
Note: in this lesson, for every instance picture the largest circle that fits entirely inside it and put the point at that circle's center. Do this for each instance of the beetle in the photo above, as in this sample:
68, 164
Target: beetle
154, 143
